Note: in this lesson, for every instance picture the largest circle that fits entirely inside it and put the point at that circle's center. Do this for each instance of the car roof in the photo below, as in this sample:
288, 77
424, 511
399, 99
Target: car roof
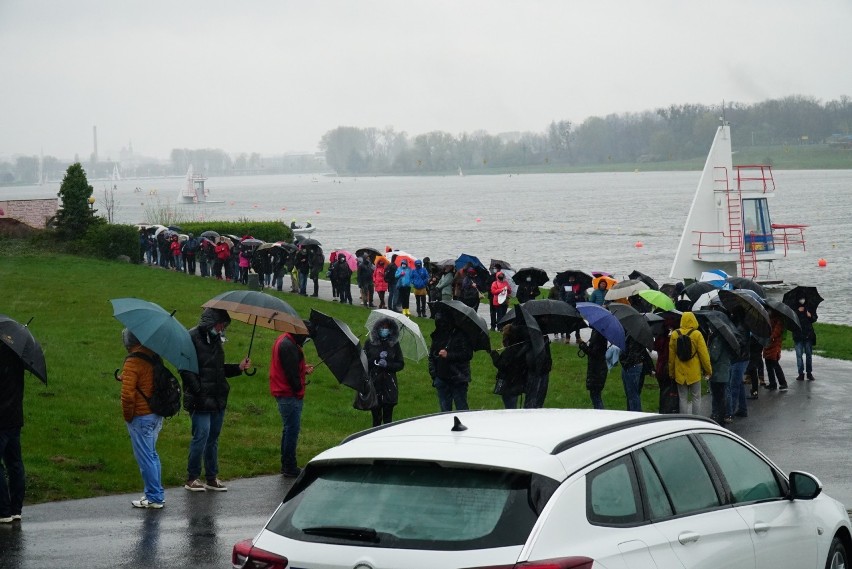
551, 442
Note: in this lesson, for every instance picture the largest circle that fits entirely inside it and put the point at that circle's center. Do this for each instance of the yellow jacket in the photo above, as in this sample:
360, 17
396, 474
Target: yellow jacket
690, 371
136, 373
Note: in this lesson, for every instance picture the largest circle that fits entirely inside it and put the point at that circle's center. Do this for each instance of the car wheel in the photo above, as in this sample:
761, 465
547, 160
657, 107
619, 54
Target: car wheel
837, 557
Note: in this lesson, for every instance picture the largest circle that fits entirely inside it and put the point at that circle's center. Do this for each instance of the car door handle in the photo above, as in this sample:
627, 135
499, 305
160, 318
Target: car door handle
761, 527
688, 537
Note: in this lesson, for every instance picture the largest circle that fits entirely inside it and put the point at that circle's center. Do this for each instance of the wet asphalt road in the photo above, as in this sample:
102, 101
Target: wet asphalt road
806, 428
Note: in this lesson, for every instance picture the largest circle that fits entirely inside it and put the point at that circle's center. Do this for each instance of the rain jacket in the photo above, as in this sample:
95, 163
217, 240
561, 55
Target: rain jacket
379, 279
807, 316
445, 286
772, 351
384, 378
341, 274
419, 279
223, 252
365, 273
136, 373
287, 368
403, 277
497, 287
207, 391
315, 263
721, 356
598, 296
690, 371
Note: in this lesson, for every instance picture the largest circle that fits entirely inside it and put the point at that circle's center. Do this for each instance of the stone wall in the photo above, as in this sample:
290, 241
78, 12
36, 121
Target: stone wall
34, 213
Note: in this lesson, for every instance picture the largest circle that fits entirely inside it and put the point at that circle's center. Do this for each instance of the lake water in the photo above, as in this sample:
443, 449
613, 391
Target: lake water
552, 221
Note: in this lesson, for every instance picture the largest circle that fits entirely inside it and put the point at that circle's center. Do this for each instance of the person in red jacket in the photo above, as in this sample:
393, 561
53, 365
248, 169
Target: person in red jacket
287, 372
499, 297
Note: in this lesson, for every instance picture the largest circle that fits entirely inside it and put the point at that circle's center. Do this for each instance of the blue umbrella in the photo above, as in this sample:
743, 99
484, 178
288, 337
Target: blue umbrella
604, 322
464, 258
157, 330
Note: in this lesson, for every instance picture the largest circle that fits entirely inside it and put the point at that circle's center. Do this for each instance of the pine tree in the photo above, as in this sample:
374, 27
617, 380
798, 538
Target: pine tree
75, 214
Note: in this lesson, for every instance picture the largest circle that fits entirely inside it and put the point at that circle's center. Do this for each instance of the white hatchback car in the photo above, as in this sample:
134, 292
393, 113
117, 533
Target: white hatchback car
550, 488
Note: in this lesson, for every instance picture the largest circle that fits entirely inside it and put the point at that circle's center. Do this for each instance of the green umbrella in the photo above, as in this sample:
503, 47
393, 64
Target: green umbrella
659, 299
157, 330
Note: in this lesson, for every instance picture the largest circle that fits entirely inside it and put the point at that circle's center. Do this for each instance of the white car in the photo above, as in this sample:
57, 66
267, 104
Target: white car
550, 488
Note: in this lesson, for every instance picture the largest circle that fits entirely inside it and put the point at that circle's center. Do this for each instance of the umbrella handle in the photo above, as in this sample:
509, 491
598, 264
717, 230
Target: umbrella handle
115, 374
250, 373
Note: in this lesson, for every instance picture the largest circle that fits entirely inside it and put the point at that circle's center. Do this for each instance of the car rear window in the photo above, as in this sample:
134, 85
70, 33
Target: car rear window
415, 505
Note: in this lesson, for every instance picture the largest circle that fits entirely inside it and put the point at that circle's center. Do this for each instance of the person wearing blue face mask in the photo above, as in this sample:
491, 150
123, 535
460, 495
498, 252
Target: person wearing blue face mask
384, 359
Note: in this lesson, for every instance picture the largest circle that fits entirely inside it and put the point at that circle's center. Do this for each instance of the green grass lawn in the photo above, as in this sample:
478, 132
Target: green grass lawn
75, 442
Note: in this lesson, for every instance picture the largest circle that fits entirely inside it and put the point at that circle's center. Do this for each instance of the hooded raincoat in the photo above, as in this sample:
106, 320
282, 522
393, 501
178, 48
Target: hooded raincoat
689, 371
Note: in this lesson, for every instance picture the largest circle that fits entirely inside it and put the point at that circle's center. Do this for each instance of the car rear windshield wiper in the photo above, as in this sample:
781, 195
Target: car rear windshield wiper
344, 532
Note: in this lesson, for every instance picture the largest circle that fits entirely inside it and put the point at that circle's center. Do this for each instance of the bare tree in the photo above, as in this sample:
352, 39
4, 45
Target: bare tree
110, 203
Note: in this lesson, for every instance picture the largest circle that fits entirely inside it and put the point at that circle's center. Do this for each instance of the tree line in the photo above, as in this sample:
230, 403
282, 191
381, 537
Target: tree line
672, 133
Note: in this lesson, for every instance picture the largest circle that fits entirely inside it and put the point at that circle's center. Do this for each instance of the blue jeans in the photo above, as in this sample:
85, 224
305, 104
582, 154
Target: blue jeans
736, 389
450, 392
205, 442
144, 430
806, 348
303, 283
11, 463
290, 410
630, 377
392, 296
597, 400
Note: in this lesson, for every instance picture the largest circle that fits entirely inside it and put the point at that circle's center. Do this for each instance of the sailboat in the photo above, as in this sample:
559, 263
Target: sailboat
728, 226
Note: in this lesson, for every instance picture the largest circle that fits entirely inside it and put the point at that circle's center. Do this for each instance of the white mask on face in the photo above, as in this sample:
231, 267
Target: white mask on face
801, 301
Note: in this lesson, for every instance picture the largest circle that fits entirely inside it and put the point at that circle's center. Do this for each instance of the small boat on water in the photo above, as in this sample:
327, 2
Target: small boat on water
193, 190
299, 230
728, 226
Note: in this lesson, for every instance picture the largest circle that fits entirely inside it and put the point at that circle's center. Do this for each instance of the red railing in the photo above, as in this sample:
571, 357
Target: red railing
784, 238
755, 177
788, 236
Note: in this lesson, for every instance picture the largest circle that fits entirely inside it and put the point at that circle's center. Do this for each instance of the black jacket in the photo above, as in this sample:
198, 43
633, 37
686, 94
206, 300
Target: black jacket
596, 366
207, 391
806, 322
11, 390
341, 274
384, 378
455, 368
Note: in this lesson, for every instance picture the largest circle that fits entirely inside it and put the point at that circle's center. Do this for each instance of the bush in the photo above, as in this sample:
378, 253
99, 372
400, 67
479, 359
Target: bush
108, 241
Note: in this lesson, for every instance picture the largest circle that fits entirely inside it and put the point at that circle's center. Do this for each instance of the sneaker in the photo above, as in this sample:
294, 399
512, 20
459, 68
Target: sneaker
782, 387
291, 472
143, 502
195, 486
7, 520
215, 485
16, 517
811, 377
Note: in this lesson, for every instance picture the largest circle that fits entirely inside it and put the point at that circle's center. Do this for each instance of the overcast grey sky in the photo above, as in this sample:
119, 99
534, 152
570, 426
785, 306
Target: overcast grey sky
274, 75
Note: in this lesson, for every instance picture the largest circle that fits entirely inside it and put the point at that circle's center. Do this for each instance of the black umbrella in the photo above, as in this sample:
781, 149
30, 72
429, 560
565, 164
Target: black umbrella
467, 320
371, 253
535, 337
211, 235
552, 316
539, 277
340, 350
582, 277
656, 322
791, 319
694, 291
747, 284
502, 264
21, 342
634, 324
755, 317
719, 321
309, 243
645, 279
809, 293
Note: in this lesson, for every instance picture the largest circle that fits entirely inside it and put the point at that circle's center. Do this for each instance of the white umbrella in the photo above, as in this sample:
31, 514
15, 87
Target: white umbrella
706, 299
410, 337
716, 277
625, 289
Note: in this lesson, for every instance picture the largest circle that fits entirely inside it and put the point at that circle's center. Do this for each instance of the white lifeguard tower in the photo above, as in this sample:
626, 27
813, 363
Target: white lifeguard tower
729, 226
193, 191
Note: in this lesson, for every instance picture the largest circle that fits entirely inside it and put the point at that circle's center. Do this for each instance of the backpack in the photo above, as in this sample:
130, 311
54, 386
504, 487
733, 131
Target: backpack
683, 348
165, 399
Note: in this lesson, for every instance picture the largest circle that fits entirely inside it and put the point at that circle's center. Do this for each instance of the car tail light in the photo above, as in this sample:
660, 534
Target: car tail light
246, 556
561, 563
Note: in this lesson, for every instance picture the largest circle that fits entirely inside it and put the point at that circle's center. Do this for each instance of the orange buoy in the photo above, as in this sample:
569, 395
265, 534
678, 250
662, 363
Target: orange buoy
478, 219
638, 244
822, 263
317, 212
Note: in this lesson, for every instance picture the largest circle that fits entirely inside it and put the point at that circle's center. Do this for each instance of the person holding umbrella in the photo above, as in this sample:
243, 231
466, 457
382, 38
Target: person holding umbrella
205, 397
772, 354
365, 280
596, 366
11, 422
499, 298
384, 359
287, 372
449, 363
143, 425
804, 339
722, 353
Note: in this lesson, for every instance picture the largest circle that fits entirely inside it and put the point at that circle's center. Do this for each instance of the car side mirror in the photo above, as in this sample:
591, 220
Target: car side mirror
804, 486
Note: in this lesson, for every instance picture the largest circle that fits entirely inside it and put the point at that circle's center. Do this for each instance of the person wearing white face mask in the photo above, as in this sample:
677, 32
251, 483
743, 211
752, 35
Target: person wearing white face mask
384, 359
527, 290
804, 340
